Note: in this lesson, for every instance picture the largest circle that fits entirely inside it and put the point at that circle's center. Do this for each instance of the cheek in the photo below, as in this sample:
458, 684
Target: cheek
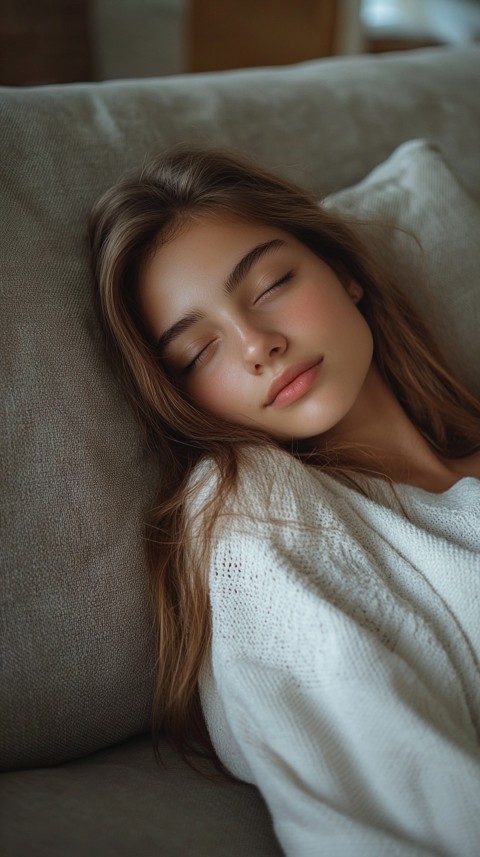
218, 390
309, 310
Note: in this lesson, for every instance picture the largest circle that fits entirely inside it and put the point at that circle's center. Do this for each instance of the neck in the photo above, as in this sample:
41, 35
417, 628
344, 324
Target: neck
388, 442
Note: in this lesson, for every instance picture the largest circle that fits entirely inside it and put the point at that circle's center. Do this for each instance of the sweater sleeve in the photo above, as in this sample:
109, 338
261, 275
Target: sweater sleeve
353, 750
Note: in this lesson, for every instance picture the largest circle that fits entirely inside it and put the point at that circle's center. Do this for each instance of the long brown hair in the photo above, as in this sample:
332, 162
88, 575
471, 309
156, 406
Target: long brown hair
133, 219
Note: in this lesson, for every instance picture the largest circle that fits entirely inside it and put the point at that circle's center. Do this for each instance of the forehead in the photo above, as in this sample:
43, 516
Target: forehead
210, 245
196, 262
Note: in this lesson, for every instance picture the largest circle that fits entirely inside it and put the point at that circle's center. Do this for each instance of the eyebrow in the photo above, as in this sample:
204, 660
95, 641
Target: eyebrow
234, 279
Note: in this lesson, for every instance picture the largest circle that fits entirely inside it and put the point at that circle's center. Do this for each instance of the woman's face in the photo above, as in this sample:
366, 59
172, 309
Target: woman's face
255, 328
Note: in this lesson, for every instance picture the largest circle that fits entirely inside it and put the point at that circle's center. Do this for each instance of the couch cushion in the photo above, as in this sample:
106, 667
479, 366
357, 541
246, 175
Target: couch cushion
76, 673
118, 802
431, 240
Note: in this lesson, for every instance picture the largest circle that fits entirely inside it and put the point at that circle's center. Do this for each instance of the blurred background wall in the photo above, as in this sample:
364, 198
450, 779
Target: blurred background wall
61, 41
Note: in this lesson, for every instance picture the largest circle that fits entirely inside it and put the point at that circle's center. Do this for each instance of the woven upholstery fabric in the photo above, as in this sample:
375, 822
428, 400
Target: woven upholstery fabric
77, 653
118, 802
76, 642
435, 254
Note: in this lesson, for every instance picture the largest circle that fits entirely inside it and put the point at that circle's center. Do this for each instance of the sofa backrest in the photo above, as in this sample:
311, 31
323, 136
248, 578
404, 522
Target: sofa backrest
77, 647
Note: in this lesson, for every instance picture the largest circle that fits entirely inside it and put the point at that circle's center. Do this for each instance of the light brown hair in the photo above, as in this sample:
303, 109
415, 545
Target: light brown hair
133, 219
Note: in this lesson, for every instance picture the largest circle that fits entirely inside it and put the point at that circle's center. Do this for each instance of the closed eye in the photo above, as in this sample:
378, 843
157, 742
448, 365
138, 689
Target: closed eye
198, 359
203, 354
276, 286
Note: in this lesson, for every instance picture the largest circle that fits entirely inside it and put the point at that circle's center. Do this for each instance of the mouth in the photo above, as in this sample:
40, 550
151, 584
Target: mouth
292, 383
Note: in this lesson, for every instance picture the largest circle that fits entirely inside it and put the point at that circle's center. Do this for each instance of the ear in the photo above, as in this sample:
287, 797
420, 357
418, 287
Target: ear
355, 291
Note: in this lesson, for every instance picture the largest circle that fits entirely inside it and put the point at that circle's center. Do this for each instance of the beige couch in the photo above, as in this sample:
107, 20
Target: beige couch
77, 656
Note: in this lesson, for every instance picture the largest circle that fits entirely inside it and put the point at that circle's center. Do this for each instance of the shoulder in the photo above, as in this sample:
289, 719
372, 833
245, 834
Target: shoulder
270, 485
290, 554
280, 514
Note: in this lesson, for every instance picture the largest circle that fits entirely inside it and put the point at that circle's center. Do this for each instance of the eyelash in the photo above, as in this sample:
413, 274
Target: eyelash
198, 359
276, 285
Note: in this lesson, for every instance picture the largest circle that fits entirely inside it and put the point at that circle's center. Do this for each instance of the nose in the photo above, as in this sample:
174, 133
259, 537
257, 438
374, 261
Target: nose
261, 347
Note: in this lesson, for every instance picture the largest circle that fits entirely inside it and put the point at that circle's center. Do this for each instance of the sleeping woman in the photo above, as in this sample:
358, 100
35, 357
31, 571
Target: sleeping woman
314, 552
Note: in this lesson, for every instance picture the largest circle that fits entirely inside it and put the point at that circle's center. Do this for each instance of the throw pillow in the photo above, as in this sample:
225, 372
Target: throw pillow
437, 260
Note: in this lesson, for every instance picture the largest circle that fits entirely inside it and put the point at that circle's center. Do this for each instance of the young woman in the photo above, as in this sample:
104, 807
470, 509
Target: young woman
314, 553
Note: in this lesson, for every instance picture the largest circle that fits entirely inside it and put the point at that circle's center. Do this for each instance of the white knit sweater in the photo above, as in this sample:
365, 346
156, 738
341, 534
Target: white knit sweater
344, 677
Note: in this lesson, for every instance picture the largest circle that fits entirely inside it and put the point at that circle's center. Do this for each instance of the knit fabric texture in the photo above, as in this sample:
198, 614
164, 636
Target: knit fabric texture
344, 671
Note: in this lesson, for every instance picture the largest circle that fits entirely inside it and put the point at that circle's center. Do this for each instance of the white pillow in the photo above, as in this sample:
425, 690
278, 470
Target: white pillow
415, 189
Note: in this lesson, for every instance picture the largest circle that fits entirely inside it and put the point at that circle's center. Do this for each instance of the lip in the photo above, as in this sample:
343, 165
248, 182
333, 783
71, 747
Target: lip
285, 380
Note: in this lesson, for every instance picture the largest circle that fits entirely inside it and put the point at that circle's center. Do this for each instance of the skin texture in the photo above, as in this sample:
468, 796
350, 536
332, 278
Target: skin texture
289, 312
248, 338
